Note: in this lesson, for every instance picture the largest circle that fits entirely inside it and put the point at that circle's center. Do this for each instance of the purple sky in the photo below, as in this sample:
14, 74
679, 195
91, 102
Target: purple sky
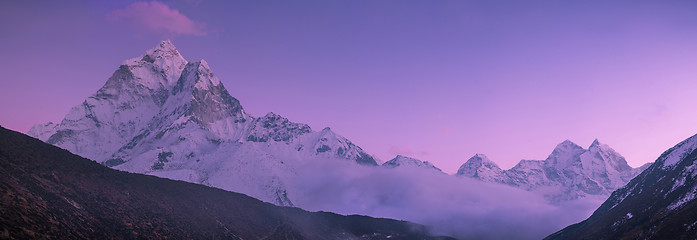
435, 80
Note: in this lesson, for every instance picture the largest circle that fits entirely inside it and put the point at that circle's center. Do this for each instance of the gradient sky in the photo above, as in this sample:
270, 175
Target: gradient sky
435, 80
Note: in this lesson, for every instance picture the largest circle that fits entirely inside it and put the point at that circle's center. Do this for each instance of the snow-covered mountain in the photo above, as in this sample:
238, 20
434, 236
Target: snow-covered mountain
660, 203
410, 163
162, 115
570, 171
480, 167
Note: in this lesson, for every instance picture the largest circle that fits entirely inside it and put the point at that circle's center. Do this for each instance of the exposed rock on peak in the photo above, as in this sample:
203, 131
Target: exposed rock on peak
209, 100
277, 128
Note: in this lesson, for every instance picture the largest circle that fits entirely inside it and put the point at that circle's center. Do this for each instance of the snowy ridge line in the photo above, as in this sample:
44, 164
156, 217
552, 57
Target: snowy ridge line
570, 172
162, 115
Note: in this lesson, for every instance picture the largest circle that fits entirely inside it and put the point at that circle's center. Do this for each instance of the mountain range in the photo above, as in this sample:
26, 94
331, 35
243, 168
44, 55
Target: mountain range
657, 204
568, 173
162, 115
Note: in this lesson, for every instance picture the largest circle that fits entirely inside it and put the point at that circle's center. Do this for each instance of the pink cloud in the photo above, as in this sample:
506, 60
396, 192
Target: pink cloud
158, 17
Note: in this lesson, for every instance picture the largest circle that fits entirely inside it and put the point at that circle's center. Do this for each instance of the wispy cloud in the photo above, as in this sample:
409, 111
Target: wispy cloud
157, 17
459, 207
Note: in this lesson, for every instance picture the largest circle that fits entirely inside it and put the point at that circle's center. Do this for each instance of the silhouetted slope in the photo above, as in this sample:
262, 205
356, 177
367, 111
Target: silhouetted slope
47, 192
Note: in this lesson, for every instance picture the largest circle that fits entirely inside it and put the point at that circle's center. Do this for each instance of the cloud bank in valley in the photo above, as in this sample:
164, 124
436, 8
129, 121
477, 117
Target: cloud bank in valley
459, 207
157, 17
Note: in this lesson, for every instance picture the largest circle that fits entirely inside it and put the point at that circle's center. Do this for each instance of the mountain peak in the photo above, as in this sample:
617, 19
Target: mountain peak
197, 75
595, 142
208, 99
206, 73
567, 144
404, 161
567, 147
164, 50
204, 65
608, 152
402, 157
480, 159
480, 167
597, 146
164, 61
476, 162
565, 155
271, 115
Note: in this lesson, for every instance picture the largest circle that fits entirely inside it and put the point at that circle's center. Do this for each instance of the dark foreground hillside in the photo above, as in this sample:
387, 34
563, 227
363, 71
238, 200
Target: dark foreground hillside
49, 193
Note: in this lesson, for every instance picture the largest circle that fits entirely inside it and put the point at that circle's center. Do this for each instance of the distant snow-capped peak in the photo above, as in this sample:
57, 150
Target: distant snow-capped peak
564, 155
479, 166
576, 171
408, 162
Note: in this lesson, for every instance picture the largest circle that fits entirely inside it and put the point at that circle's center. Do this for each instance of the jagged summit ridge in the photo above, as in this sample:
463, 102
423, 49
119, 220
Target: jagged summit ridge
657, 204
209, 100
576, 172
564, 155
160, 114
164, 59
